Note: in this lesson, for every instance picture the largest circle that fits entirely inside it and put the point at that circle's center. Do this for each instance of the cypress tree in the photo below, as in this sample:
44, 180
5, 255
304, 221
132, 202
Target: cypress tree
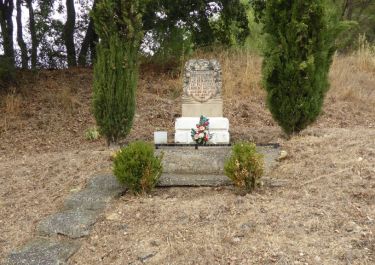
297, 58
118, 24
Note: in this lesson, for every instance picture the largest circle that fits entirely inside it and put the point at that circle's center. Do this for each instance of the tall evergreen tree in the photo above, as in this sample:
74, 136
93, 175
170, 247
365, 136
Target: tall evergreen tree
300, 45
118, 24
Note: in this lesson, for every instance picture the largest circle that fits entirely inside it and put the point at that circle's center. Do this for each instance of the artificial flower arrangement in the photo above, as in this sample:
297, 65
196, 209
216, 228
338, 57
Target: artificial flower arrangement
201, 135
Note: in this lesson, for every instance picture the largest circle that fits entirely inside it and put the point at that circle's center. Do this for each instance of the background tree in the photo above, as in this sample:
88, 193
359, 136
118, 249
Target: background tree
6, 25
177, 27
362, 15
34, 42
173, 29
300, 46
88, 42
20, 40
118, 24
69, 33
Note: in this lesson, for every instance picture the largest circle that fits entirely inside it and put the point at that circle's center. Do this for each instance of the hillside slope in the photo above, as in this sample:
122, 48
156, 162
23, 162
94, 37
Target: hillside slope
330, 170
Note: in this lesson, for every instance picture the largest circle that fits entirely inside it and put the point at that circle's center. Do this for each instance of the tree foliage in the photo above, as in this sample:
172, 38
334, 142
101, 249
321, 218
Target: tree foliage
55, 37
297, 58
118, 24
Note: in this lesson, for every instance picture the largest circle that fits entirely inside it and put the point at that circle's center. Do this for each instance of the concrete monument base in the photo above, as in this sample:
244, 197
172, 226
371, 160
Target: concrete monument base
219, 128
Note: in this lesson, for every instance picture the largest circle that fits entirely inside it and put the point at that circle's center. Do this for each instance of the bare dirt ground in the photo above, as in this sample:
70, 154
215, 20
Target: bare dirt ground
325, 213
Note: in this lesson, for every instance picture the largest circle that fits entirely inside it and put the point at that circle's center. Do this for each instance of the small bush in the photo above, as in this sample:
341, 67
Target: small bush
245, 166
137, 167
92, 134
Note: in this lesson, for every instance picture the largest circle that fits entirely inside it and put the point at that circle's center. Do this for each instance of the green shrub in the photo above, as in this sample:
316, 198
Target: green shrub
92, 134
137, 167
245, 166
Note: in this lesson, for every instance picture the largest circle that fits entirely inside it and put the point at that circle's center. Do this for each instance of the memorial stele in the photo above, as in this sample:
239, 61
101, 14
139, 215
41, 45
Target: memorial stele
202, 96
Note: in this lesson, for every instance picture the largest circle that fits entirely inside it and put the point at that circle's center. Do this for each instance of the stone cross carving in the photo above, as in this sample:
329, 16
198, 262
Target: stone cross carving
202, 80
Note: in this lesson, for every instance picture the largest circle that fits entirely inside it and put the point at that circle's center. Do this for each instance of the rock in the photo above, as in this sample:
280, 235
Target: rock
145, 256
274, 182
72, 223
155, 243
43, 251
113, 217
236, 239
317, 259
353, 227
122, 227
248, 226
283, 155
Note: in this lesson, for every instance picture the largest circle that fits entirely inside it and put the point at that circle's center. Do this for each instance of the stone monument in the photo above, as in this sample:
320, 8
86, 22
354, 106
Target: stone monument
202, 96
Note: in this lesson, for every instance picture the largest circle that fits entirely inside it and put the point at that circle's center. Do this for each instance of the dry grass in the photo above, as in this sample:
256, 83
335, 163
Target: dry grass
353, 76
241, 71
328, 221
12, 103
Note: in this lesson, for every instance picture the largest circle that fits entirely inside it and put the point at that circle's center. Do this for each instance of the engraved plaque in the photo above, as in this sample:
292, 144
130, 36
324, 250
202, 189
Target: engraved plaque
202, 79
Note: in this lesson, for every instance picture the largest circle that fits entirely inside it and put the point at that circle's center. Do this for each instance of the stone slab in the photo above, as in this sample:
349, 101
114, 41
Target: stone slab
106, 183
98, 192
72, 223
87, 199
188, 160
207, 159
43, 251
210, 108
170, 180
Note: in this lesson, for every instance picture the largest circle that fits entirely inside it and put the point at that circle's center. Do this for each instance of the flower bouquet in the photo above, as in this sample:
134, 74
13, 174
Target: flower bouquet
201, 134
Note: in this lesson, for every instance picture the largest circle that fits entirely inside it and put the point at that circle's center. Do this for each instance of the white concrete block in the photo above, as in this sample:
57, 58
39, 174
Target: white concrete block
216, 123
218, 137
160, 137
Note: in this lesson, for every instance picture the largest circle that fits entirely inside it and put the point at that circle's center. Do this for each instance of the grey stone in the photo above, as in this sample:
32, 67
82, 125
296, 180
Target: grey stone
98, 192
107, 184
145, 256
248, 226
202, 89
72, 223
187, 160
274, 183
168, 180
186, 166
88, 199
43, 251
